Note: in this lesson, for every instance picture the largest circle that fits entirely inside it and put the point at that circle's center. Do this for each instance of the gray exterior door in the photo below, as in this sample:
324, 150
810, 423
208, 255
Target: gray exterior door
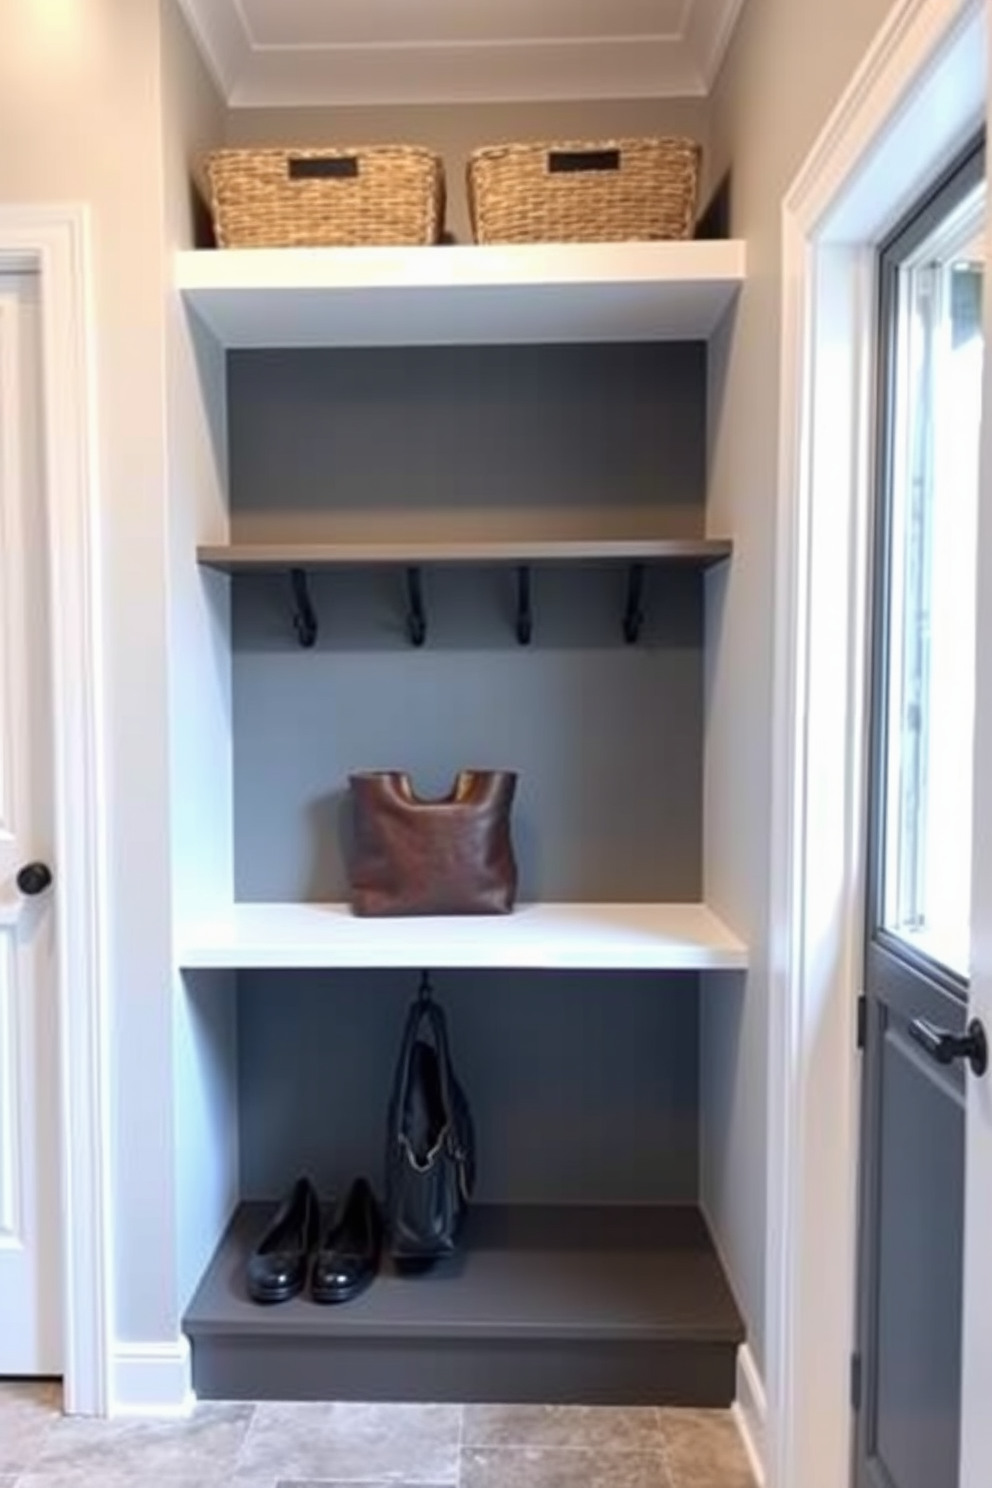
907, 1372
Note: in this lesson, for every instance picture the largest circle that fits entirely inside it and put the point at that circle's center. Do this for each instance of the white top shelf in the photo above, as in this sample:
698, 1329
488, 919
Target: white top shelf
609, 937
467, 294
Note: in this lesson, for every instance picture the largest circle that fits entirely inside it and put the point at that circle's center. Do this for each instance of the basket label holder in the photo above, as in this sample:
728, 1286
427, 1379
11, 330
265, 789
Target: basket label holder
322, 167
565, 162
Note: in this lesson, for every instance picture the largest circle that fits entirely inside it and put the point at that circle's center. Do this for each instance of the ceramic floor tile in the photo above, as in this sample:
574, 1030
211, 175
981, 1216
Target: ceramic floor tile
28, 1411
353, 1442
110, 1478
704, 1450
202, 1447
561, 1467
593, 1427
30, 1395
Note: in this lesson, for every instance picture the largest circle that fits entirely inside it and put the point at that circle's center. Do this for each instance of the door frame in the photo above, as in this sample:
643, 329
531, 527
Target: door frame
917, 95
55, 242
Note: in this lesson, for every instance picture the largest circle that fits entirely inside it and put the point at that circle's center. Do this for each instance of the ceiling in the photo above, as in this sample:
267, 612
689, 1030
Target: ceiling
284, 52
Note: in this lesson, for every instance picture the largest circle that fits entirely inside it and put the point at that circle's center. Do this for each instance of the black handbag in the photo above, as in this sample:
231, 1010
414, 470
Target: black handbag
430, 1158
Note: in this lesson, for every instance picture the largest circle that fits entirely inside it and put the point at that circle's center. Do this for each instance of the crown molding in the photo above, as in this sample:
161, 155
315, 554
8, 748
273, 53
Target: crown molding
219, 31
507, 70
708, 31
499, 72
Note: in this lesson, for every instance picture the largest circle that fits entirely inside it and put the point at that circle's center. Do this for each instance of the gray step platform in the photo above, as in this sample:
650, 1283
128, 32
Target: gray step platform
583, 1305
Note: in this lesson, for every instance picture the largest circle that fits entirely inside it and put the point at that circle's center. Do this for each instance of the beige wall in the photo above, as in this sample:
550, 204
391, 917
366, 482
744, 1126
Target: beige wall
79, 122
788, 65
455, 130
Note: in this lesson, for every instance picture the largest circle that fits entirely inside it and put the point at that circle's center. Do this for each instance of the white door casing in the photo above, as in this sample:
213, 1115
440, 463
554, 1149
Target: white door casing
30, 1270
976, 1383
54, 242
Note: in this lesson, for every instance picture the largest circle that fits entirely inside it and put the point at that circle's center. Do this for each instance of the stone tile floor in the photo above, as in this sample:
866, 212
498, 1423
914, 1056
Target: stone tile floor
367, 1446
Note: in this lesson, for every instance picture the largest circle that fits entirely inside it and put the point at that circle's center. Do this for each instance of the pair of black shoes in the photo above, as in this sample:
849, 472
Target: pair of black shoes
338, 1265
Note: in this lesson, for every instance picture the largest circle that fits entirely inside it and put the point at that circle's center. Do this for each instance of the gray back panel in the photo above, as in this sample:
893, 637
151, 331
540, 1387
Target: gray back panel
489, 442
606, 738
583, 1086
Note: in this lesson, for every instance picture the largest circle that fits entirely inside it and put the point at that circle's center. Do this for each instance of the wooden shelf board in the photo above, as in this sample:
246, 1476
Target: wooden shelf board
459, 295
618, 937
256, 557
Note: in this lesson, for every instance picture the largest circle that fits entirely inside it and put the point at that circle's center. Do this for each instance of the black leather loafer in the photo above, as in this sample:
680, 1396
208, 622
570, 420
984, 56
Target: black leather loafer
277, 1267
349, 1254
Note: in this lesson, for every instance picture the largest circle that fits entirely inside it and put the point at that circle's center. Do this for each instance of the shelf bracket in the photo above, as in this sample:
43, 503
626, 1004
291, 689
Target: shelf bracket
525, 618
304, 618
633, 618
416, 620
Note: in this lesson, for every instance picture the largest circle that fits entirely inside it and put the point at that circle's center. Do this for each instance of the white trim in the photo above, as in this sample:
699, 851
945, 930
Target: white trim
750, 1412
151, 1379
632, 937
885, 135
471, 294
383, 70
55, 241
221, 40
708, 36
913, 33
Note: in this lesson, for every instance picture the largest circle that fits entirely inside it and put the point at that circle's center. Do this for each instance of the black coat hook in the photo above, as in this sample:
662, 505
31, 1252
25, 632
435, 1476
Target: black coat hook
304, 618
633, 618
525, 619
416, 620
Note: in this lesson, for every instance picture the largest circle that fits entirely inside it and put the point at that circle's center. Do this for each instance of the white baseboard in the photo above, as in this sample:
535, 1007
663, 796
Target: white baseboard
151, 1379
750, 1412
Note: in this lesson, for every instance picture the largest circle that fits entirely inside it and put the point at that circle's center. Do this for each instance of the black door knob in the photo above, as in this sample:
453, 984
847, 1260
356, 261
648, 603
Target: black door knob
34, 878
946, 1047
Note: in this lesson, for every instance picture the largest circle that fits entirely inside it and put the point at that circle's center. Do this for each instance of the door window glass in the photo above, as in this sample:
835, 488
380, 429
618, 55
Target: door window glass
930, 622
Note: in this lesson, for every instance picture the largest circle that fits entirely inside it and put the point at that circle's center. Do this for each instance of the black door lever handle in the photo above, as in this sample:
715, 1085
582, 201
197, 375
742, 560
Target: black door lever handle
946, 1047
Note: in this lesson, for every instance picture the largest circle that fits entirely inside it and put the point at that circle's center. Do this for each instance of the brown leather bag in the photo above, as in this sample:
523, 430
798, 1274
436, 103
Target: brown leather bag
451, 856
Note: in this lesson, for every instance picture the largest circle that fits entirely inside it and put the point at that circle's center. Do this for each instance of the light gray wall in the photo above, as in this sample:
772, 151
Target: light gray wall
787, 66
583, 1086
455, 130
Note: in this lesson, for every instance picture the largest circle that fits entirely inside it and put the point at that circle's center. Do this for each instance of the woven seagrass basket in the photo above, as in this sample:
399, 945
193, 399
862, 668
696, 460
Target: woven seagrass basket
333, 197
612, 191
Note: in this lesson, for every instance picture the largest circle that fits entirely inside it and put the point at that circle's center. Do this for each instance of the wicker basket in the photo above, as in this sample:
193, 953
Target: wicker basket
318, 198
613, 191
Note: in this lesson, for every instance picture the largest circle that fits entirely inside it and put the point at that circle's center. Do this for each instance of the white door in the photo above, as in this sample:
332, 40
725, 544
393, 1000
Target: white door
30, 1265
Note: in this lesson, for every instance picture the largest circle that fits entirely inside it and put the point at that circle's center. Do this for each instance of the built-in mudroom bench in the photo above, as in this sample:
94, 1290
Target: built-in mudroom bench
458, 520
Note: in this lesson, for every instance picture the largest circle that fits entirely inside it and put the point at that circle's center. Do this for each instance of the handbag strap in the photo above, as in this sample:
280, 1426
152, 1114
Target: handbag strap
425, 1009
